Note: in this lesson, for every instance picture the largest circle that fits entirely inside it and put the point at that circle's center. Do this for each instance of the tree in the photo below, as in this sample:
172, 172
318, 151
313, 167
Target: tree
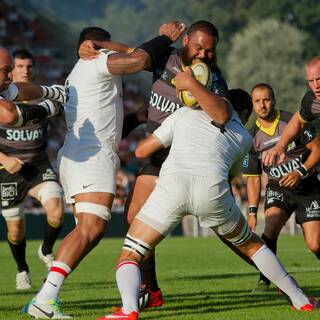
269, 51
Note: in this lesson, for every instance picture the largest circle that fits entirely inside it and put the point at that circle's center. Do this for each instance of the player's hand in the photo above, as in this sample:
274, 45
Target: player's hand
173, 30
273, 156
252, 222
290, 180
12, 164
87, 50
183, 80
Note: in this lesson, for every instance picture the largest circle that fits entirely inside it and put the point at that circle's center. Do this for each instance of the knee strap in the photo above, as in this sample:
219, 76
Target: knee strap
136, 245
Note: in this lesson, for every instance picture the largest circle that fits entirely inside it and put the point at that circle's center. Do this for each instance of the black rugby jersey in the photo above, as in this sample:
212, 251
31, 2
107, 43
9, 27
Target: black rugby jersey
27, 143
265, 138
163, 100
310, 107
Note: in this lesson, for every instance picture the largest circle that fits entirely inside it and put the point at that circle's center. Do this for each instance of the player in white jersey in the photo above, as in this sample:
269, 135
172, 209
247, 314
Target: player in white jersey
88, 159
194, 179
20, 114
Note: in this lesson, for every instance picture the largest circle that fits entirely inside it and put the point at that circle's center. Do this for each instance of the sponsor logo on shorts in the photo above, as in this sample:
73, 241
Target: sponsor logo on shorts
245, 163
49, 175
273, 196
8, 191
314, 210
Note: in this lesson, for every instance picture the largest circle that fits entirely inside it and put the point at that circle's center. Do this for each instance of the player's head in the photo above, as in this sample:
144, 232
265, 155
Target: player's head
94, 34
200, 43
23, 66
242, 103
5, 69
313, 75
263, 101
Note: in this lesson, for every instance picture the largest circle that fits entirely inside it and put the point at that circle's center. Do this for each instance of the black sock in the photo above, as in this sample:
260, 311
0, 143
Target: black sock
272, 245
51, 234
148, 273
318, 255
19, 254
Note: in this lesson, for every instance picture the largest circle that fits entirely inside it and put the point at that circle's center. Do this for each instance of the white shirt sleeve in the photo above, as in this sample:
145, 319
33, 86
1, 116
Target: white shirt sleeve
101, 61
11, 93
165, 132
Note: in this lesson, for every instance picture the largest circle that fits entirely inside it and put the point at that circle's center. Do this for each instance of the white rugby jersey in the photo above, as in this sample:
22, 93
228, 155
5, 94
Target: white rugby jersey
200, 148
94, 109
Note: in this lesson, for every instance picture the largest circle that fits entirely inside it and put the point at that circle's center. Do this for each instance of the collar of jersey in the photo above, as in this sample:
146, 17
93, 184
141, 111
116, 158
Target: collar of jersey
272, 129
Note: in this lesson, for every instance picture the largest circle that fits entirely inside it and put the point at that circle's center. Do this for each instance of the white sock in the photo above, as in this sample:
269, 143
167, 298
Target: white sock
271, 267
50, 289
128, 280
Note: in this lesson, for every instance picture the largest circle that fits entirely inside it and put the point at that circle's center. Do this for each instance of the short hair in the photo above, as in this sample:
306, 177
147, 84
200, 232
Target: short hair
93, 33
240, 100
263, 85
23, 54
204, 26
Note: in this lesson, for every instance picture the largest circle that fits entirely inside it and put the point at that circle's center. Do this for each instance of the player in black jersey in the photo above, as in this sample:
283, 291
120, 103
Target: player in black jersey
292, 185
20, 114
309, 111
25, 169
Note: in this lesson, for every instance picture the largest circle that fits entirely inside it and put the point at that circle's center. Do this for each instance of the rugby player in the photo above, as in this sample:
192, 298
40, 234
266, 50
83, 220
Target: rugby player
309, 111
200, 42
25, 170
88, 159
292, 186
20, 114
189, 183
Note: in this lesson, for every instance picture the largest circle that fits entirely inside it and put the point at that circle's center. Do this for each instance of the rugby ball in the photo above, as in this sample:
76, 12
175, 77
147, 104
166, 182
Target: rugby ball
202, 73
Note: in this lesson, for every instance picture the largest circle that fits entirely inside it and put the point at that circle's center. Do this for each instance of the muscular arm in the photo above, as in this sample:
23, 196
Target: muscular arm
8, 112
253, 190
314, 156
28, 91
148, 146
127, 63
217, 108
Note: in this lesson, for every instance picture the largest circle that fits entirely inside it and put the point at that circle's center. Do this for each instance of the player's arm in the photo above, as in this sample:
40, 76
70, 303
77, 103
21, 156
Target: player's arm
10, 164
147, 53
8, 113
253, 192
148, 146
293, 178
217, 108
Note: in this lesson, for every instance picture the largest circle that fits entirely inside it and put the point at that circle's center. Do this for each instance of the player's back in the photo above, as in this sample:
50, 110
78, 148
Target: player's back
94, 110
200, 148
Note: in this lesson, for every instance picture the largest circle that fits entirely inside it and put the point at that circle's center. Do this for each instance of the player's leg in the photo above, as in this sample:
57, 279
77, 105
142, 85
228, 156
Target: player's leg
311, 232
145, 232
252, 246
49, 194
17, 243
93, 213
145, 183
275, 219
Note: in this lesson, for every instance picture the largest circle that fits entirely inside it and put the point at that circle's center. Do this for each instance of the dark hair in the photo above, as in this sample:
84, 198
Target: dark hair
204, 26
23, 54
263, 85
240, 100
93, 33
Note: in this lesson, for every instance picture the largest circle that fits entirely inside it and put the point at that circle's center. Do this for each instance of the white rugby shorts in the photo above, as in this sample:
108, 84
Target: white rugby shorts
177, 195
87, 169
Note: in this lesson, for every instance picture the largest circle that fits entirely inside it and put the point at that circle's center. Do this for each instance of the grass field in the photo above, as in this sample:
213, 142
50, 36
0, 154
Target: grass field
200, 279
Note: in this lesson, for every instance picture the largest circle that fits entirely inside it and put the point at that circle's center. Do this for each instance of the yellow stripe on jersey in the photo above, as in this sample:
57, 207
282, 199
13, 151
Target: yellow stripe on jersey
251, 175
271, 130
1, 167
304, 121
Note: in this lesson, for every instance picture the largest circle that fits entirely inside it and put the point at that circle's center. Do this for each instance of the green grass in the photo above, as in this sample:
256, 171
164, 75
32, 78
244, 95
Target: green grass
200, 279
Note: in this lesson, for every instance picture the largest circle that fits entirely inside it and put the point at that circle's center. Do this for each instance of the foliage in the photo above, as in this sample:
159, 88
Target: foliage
271, 52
